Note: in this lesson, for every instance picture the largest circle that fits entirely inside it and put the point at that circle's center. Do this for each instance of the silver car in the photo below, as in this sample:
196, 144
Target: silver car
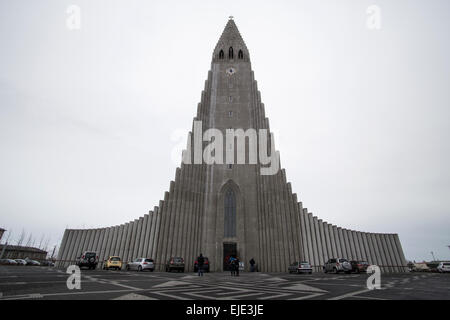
336, 265
141, 264
300, 267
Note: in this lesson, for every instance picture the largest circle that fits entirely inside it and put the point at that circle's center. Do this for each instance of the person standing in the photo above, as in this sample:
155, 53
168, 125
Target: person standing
200, 263
252, 265
232, 267
236, 266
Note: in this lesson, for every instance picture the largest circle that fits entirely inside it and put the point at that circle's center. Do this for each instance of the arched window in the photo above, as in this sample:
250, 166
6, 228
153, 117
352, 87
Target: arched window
221, 54
230, 214
230, 53
240, 55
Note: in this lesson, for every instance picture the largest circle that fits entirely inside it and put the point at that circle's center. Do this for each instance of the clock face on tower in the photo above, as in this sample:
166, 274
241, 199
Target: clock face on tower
231, 71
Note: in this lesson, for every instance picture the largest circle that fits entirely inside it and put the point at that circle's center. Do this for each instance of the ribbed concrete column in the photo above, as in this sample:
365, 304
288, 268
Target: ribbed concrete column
381, 249
62, 247
287, 222
149, 235
143, 241
114, 240
398, 257
386, 251
131, 255
352, 244
337, 242
104, 244
189, 228
334, 253
347, 244
156, 222
68, 234
378, 260
319, 243
89, 238
280, 253
316, 261
270, 263
391, 255
167, 244
96, 238
137, 237
326, 230
367, 246
97, 242
400, 251
324, 254
303, 233
118, 242
109, 242
148, 226
309, 234
77, 246
179, 218
361, 246
296, 228
342, 243
123, 240
100, 244
162, 246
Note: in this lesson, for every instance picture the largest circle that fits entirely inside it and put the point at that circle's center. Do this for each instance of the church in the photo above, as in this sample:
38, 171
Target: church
232, 207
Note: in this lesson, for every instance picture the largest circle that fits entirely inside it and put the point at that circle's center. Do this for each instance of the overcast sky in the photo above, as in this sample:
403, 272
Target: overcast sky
90, 119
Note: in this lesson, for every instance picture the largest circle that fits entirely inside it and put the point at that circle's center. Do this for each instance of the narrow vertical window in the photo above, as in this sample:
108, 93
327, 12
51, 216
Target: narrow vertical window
230, 53
221, 54
230, 214
240, 55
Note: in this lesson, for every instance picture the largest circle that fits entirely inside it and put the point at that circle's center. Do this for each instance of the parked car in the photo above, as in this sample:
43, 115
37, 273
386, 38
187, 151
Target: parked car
8, 262
32, 262
337, 265
359, 266
21, 262
88, 259
300, 267
47, 263
175, 263
444, 267
141, 264
205, 265
113, 262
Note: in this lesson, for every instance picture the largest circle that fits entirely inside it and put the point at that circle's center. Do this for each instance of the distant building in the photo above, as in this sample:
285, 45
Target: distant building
2, 231
19, 252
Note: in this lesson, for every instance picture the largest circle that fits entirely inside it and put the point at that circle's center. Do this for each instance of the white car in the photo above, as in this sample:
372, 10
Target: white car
21, 262
444, 267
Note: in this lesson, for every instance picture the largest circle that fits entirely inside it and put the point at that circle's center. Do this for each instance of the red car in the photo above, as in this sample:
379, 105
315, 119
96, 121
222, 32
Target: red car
359, 266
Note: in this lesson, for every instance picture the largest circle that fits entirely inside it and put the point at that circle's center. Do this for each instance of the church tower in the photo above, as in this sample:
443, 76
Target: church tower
222, 206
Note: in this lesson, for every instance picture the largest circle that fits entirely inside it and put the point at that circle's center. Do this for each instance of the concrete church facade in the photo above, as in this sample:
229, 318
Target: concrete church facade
226, 209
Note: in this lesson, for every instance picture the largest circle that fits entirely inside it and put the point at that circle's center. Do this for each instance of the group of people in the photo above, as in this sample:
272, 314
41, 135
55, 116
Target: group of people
233, 262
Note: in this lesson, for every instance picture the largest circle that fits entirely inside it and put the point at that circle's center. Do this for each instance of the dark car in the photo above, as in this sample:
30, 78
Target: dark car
175, 263
89, 259
205, 265
359, 266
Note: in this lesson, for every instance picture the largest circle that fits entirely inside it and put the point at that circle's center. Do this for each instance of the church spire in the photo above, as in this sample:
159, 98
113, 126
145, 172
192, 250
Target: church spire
231, 46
